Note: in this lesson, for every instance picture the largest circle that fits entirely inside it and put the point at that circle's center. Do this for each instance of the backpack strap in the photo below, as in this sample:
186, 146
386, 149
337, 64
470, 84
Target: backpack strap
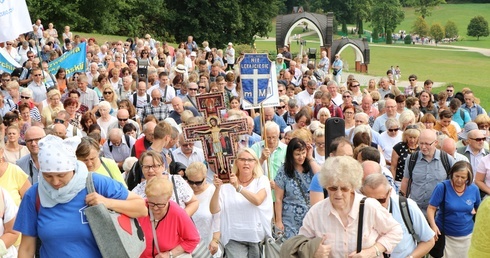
461, 114
411, 166
445, 162
135, 98
407, 219
106, 168
359, 225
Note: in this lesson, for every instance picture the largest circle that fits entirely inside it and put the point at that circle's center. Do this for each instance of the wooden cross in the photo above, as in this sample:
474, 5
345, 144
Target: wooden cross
219, 138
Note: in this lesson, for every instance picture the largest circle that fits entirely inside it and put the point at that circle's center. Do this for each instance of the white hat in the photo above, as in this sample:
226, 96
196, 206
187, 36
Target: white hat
279, 56
57, 155
180, 68
468, 127
193, 54
230, 44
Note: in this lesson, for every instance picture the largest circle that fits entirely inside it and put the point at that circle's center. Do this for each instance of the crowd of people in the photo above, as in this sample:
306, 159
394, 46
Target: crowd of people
412, 150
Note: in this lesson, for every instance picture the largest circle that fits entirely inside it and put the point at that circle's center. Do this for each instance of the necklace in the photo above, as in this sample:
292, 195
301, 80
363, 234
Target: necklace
460, 192
246, 182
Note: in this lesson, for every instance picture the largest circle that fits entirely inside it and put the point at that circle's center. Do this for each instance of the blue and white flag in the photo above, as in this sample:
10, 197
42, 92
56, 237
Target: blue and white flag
14, 19
73, 61
7, 63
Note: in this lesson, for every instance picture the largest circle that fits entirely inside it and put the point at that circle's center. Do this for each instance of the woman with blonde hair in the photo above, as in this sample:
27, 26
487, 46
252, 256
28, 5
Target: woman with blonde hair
110, 95
13, 150
248, 197
54, 106
176, 235
207, 224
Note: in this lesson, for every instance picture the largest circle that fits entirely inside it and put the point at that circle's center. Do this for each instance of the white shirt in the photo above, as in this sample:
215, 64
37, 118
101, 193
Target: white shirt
304, 98
197, 155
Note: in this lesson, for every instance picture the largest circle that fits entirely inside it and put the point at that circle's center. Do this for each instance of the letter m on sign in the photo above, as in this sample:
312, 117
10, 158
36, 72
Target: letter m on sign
255, 75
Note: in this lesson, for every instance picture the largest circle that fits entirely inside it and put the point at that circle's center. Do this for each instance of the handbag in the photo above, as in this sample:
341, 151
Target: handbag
116, 235
438, 250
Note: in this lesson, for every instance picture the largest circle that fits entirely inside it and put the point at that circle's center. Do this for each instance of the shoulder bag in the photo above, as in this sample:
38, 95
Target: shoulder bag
117, 235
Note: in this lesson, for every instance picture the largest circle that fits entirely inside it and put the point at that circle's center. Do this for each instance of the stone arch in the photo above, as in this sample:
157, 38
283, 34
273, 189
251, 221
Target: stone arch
361, 49
322, 24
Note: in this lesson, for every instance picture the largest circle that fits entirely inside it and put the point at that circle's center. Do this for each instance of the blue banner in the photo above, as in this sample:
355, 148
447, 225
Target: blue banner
73, 61
7, 63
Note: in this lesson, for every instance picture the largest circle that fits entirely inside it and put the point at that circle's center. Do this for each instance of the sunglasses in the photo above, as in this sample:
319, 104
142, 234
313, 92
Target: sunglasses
346, 97
479, 139
344, 189
122, 119
449, 90
393, 130
59, 121
193, 89
355, 85
36, 75
202, 87
281, 107
107, 92
24, 97
196, 183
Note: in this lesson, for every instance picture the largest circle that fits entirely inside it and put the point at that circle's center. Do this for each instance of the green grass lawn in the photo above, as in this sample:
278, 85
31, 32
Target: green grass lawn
461, 14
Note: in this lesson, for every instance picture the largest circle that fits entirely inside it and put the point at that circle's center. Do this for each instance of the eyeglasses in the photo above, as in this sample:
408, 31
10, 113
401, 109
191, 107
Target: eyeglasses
412, 80
187, 145
479, 139
344, 189
393, 130
319, 144
24, 97
192, 89
427, 144
383, 200
281, 107
122, 119
107, 92
158, 205
196, 183
147, 167
59, 121
244, 160
346, 97
5, 80
33, 140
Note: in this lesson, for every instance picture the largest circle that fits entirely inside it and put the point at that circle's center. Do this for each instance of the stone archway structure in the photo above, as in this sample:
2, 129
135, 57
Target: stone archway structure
322, 24
361, 49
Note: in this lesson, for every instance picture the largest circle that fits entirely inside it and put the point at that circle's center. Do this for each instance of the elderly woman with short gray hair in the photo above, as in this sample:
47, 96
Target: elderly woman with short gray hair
335, 220
389, 138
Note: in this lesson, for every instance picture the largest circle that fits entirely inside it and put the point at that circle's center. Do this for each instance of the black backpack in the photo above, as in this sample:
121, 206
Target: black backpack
413, 160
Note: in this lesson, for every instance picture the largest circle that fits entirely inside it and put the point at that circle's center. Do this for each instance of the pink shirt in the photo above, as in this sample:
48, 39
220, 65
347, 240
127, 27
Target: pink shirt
378, 227
176, 228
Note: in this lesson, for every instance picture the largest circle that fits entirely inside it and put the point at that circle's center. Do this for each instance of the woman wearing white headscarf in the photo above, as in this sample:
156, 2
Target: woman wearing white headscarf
53, 208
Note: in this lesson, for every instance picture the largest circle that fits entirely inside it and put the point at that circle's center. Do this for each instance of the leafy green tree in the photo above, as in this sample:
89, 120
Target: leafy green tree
437, 32
451, 30
420, 27
386, 15
478, 27
220, 21
424, 7
361, 9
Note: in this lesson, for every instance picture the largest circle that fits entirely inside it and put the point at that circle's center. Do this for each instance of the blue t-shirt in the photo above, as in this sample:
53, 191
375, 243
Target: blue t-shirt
457, 209
315, 184
64, 229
